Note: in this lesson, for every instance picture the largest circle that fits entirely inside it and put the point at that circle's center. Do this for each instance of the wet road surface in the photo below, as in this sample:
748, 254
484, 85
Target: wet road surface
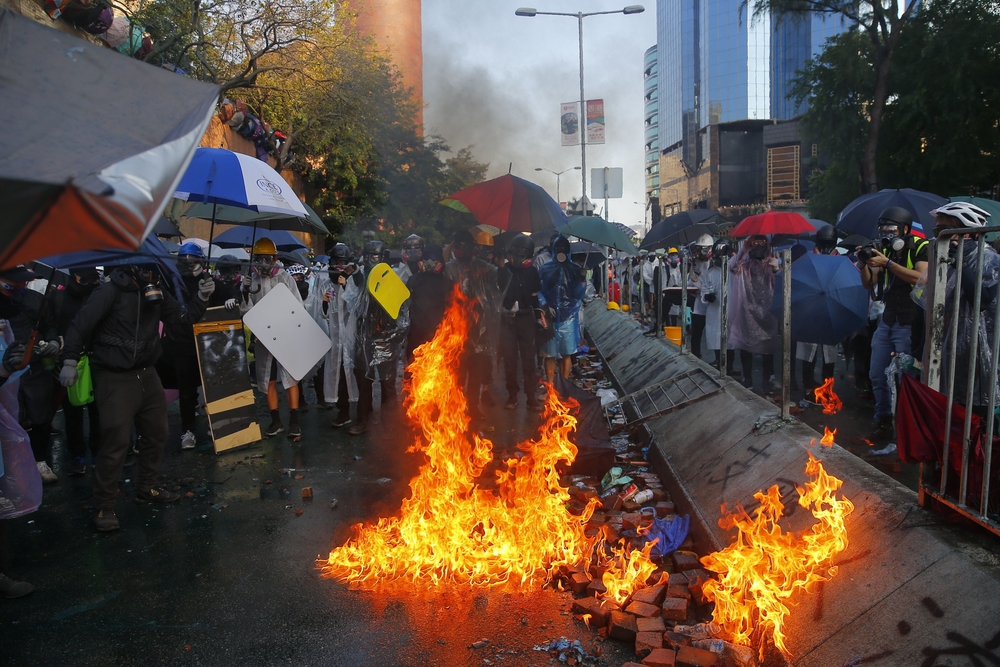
228, 576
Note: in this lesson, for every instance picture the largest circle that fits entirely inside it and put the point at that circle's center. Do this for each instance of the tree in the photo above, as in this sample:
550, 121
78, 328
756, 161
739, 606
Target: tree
881, 22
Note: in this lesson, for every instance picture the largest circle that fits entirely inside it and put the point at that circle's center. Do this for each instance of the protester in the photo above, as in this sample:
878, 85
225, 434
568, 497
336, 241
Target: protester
266, 274
517, 327
413, 247
561, 294
120, 326
66, 303
710, 295
331, 304
31, 320
430, 293
478, 280
302, 275
180, 344
753, 329
891, 268
648, 272
808, 353
957, 215
377, 340
702, 256
670, 279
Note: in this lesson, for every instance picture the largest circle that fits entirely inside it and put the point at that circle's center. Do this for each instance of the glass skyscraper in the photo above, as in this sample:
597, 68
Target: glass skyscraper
717, 64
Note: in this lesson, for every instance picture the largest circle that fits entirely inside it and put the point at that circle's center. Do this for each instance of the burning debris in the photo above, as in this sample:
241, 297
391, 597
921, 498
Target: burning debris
828, 436
830, 401
615, 543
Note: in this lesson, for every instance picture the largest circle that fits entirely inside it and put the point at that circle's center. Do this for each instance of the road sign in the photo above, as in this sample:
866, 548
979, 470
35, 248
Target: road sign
610, 176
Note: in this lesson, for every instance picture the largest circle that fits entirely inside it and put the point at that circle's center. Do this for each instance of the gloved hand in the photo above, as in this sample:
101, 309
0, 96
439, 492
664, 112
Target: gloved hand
206, 286
12, 357
49, 349
231, 304
247, 281
68, 375
710, 298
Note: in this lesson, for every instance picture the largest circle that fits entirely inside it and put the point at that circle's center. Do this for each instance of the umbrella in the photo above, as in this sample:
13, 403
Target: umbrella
165, 228
772, 222
861, 215
593, 254
312, 223
244, 237
853, 241
508, 203
93, 143
687, 235
171, 247
798, 247
293, 257
828, 299
626, 230
599, 231
661, 232
210, 249
321, 259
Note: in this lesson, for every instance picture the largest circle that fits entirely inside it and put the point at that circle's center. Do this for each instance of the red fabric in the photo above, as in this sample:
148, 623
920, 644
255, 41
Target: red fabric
614, 292
920, 413
494, 202
773, 222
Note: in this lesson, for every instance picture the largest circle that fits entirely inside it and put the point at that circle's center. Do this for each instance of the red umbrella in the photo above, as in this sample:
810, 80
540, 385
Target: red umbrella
773, 222
509, 203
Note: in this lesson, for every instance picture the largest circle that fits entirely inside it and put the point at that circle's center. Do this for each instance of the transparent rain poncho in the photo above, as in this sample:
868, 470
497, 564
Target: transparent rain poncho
752, 327
377, 337
478, 279
336, 323
984, 351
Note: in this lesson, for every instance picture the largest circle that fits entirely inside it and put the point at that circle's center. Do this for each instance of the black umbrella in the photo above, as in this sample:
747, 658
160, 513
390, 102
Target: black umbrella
861, 215
591, 251
165, 228
853, 241
663, 232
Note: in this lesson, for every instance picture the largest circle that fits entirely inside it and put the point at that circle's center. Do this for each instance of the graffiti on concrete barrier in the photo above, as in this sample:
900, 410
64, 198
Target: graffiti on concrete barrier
738, 468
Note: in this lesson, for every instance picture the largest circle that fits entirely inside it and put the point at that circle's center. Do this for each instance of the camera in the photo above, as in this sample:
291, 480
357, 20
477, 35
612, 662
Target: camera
866, 252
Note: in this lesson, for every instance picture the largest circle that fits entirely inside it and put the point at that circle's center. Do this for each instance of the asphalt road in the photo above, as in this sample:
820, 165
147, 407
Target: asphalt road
229, 575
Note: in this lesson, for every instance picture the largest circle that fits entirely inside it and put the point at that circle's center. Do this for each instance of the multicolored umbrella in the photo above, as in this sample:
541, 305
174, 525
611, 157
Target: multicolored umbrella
509, 203
773, 222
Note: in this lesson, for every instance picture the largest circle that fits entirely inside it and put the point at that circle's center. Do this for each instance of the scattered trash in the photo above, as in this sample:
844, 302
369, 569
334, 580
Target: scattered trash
298, 512
189, 495
571, 653
256, 456
219, 506
888, 449
299, 476
480, 644
357, 458
334, 503
383, 480
307, 492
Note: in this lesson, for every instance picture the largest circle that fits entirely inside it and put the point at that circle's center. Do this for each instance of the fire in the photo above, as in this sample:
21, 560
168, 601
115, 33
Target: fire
830, 401
765, 566
828, 436
627, 571
451, 529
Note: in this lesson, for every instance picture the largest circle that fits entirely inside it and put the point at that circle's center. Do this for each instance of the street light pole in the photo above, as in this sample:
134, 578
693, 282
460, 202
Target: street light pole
558, 175
531, 12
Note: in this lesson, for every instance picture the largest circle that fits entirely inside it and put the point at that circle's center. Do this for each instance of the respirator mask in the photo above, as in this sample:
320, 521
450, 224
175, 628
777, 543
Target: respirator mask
267, 266
148, 281
759, 249
430, 265
890, 240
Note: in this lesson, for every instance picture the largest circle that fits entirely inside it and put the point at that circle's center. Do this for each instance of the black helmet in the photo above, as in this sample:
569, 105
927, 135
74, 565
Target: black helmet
897, 215
826, 235
374, 253
227, 262
521, 249
340, 252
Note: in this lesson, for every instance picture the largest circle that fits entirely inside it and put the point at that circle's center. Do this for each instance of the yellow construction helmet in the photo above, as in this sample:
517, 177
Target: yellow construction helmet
264, 246
482, 236
613, 305
672, 250
625, 307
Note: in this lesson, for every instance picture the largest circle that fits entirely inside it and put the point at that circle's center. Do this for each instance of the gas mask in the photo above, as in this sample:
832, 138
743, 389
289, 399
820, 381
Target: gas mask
520, 258
890, 239
702, 252
229, 276
759, 249
674, 260
372, 260
462, 252
266, 266
190, 266
11, 289
430, 265
147, 279
413, 251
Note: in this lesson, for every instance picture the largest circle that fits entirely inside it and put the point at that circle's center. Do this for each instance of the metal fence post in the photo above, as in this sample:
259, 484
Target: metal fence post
786, 333
724, 319
684, 301
658, 297
952, 343
970, 378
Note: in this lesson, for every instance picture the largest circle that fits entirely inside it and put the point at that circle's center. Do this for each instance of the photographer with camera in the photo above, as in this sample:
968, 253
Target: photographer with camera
890, 266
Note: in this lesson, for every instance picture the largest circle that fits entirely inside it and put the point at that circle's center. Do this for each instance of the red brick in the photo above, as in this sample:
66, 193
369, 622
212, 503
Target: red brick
679, 577
642, 609
631, 664
631, 521
686, 560
596, 588
307, 492
600, 614
650, 595
654, 624
688, 656
579, 581
630, 506
623, 626
675, 609
664, 508
659, 495
659, 657
645, 642
678, 591
676, 639
612, 502
697, 580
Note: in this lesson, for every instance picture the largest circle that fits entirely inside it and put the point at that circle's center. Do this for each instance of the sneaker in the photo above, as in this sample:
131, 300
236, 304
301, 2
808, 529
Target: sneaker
303, 408
511, 404
78, 467
188, 440
11, 589
274, 429
157, 496
105, 521
358, 429
342, 419
48, 477
883, 430
294, 433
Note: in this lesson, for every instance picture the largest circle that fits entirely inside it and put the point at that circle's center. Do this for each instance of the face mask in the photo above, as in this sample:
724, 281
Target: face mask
303, 288
11, 289
268, 268
758, 251
561, 257
430, 266
413, 255
674, 260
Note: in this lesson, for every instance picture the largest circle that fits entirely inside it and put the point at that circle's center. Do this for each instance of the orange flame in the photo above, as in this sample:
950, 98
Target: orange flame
761, 570
451, 529
830, 401
828, 436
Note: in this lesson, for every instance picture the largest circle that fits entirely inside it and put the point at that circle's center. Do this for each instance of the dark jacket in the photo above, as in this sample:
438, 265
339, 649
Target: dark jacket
430, 294
180, 339
26, 307
121, 330
66, 301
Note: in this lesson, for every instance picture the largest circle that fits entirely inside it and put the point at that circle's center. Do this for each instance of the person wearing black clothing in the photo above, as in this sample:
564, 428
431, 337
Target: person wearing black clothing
120, 325
891, 271
430, 294
180, 342
517, 326
25, 309
66, 302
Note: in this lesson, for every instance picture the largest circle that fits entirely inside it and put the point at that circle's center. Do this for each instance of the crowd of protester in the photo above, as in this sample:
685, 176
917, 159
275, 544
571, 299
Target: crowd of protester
135, 330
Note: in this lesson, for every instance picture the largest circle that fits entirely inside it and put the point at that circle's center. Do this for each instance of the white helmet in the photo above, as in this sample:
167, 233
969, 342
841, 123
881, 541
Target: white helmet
968, 214
705, 240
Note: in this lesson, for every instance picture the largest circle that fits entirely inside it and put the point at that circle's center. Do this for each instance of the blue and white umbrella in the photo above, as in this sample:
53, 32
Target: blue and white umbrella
218, 176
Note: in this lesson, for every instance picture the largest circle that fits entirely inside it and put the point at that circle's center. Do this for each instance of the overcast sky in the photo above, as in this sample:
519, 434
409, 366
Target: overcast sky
495, 81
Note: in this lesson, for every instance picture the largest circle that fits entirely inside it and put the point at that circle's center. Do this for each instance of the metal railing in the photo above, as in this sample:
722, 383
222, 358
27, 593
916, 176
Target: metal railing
943, 315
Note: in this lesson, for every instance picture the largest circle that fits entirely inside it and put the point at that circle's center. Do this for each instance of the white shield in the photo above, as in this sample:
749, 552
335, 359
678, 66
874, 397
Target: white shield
282, 325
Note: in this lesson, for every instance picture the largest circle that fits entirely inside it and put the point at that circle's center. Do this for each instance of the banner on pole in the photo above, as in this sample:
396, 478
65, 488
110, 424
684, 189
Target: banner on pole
595, 121
569, 123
